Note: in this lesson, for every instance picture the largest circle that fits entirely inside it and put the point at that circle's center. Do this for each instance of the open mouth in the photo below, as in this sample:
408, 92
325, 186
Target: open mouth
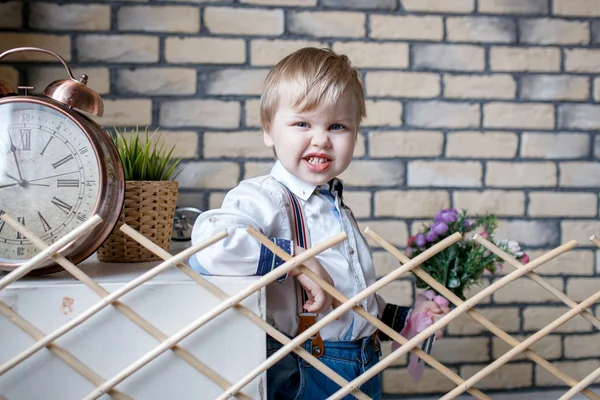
317, 163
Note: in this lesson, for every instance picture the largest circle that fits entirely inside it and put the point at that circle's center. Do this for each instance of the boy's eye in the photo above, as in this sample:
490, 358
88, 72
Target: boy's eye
337, 127
302, 124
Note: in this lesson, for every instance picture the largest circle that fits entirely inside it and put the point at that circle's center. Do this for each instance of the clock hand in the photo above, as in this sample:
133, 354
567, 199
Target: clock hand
11, 177
13, 150
9, 185
52, 176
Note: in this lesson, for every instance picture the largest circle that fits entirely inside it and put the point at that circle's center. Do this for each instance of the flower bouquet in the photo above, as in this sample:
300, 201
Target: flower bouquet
461, 265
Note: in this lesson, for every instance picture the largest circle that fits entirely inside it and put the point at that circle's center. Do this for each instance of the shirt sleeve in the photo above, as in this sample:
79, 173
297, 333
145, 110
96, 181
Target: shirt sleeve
240, 254
392, 315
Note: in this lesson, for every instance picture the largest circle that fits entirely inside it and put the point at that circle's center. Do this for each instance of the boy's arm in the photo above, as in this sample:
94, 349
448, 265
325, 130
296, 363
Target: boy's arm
239, 254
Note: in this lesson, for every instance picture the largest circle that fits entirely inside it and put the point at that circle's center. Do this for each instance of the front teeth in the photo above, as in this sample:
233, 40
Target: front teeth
315, 160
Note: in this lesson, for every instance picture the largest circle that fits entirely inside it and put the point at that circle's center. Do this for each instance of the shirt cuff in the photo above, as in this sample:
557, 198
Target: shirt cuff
395, 317
268, 261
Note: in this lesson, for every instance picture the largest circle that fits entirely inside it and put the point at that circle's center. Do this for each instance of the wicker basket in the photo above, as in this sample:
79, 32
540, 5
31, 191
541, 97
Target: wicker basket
149, 208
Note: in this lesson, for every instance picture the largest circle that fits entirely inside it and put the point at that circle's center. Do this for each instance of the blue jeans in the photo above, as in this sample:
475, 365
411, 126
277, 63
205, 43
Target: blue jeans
293, 378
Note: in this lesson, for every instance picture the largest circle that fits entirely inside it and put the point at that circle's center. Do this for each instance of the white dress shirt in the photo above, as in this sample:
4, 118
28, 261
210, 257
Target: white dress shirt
262, 203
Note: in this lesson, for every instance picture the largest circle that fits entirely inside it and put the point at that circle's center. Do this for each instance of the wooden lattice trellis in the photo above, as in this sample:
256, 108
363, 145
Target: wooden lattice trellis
289, 345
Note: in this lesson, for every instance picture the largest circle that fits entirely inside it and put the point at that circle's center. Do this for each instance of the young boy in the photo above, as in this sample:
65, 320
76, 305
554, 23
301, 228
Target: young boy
311, 109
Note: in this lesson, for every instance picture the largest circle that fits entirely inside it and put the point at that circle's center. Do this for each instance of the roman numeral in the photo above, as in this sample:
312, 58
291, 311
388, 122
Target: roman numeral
2, 223
61, 162
81, 216
25, 139
83, 150
45, 223
64, 207
21, 220
46, 146
67, 183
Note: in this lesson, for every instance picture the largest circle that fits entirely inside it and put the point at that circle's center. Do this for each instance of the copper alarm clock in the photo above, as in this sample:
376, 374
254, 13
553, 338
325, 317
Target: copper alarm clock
57, 168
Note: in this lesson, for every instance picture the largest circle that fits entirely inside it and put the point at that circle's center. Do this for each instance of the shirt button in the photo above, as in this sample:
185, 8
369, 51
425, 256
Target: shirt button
351, 251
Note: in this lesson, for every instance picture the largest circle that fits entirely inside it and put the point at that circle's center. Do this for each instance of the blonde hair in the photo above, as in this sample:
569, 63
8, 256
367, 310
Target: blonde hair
308, 78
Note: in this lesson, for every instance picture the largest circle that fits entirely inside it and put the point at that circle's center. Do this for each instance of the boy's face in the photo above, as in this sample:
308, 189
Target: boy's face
316, 145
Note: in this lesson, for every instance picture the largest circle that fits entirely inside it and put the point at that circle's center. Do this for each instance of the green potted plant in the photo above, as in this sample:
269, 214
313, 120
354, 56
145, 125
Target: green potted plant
150, 195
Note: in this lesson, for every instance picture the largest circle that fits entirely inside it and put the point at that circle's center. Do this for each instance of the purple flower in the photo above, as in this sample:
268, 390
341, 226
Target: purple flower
439, 228
431, 236
467, 224
420, 240
447, 215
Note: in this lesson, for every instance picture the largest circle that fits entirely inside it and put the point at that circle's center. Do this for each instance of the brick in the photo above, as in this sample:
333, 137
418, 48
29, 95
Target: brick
524, 290
215, 200
252, 113
40, 77
521, 174
580, 289
555, 145
386, 349
157, 81
529, 233
159, 19
118, 48
411, 27
563, 204
536, 318
576, 369
205, 50
374, 173
460, 350
402, 84
580, 230
189, 199
576, 8
359, 202
439, 6
553, 87
384, 262
499, 202
498, 86
360, 147
209, 175
410, 203
579, 116
481, 29
553, 31
296, 3
235, 144
395, 232
524, 59
507, 376
518, 115
364, 5
444, 173
235, 81
452, 57
506, 318
582, 346
398, 381
481, 144
208, 113
243, 21
11, 15
548, 347
186, 143
597, 90
10, 76
582, 60
513, 6
383, 113
579, 174
69, 17
406, 143
440, 114
60, 44
270, 52
573, 262
253, 169
327, 23
595, 31
377, 55
126, 112
398, 292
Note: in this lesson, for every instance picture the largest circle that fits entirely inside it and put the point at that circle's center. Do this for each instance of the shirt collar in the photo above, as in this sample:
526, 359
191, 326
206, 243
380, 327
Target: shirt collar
300, 188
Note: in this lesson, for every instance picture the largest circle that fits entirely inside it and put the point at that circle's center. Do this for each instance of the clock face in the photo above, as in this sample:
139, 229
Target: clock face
49, 175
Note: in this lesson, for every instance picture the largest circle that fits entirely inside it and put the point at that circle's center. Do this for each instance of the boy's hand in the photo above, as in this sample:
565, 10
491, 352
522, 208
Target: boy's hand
318, 299
435, 310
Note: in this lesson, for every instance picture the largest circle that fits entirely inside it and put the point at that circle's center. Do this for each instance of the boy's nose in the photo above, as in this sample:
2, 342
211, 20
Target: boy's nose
321, 139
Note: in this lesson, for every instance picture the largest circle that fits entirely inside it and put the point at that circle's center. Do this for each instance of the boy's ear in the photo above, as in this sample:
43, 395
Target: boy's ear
268, 139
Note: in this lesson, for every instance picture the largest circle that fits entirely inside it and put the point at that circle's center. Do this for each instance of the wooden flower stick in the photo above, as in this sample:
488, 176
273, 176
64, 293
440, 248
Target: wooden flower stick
441, 323
365, 314
218, 293
477, 316
108, 300
216, 311
52, 249
339, 311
